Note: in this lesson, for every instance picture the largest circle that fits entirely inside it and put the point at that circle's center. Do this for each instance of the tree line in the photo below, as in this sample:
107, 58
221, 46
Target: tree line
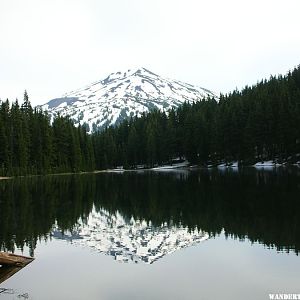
261, 122
258, 123
31, 144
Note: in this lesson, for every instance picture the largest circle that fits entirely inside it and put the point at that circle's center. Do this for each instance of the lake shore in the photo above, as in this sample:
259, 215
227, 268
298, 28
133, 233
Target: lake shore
174, 167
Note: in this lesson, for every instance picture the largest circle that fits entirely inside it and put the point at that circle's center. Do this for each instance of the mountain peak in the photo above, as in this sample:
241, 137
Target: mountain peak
122, 95
144, 70
138, 71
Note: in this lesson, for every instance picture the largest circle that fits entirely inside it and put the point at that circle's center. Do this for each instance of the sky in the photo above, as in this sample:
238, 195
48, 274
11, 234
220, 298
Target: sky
50, 47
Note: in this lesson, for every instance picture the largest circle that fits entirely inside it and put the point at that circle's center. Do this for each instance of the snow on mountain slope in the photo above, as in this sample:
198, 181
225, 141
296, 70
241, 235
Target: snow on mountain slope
122, 95
130, 240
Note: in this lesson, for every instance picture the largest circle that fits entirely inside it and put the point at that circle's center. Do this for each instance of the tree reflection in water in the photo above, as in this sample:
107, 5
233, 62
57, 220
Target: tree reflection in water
262, 206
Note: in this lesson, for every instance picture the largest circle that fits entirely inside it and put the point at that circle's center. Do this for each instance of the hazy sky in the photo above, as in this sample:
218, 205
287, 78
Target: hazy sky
50, 47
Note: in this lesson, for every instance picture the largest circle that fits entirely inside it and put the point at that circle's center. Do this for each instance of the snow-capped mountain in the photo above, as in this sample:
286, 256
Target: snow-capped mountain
122, 95
130, 240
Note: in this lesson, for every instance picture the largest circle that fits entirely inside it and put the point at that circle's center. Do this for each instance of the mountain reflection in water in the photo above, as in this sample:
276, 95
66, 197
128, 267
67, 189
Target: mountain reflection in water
130, 241
254, 204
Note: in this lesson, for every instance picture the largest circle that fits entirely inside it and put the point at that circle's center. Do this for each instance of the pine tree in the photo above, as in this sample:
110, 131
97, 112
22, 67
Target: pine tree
4, 155
132, 148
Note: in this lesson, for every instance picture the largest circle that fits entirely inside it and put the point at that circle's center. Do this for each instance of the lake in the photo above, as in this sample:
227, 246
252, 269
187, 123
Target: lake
180, 234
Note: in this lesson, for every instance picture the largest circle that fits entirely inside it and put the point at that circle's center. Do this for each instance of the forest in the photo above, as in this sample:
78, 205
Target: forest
31, 144
258, 123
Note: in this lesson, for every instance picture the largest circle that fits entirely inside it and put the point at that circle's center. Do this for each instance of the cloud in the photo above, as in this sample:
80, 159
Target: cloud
49, 47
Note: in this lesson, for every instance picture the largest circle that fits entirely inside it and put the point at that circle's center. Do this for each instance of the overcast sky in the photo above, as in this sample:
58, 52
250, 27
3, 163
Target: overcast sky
50, 47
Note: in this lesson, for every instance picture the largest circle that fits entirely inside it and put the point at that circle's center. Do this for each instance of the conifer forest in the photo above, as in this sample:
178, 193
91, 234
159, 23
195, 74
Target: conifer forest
260, 122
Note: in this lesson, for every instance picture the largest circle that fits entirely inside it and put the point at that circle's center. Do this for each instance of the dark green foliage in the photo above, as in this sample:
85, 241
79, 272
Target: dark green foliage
30, 144
261, 122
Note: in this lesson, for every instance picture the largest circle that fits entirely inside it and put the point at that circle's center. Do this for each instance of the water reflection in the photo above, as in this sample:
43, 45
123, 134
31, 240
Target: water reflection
130, 241
260, 206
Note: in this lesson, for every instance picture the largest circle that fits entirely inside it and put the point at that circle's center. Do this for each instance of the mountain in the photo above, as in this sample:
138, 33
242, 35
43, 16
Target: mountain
123, 95
129, 240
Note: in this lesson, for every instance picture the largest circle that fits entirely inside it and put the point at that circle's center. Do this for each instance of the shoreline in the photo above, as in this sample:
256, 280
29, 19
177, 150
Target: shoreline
193, 167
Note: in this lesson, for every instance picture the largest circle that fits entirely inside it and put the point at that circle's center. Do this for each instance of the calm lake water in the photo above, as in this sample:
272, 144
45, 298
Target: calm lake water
202, 234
